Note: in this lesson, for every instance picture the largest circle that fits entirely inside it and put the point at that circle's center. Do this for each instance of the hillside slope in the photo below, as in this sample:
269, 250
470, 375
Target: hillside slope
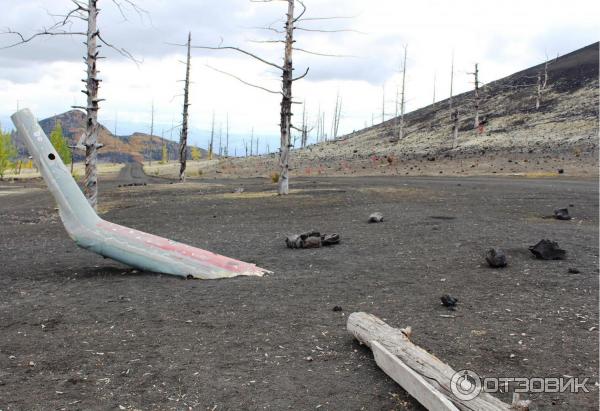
562, 133
117, 149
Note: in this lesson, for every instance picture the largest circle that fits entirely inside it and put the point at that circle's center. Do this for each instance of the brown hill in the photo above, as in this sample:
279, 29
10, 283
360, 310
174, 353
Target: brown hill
117, 149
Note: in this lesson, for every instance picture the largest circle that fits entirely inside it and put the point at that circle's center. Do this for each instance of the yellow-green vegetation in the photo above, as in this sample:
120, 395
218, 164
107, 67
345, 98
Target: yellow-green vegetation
164, 155
196, 154
8, 152
59, 142
274, 177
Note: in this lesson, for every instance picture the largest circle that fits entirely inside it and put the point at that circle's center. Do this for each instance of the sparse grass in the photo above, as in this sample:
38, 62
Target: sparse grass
78, 171
195, 168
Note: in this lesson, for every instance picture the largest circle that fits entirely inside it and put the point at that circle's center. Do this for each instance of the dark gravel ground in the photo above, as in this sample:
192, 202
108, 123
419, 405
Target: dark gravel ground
81, 332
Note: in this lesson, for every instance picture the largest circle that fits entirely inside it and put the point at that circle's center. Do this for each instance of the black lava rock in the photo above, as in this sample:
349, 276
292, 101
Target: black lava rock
495, 258
376, 218
562, 214
449, 301
547, 250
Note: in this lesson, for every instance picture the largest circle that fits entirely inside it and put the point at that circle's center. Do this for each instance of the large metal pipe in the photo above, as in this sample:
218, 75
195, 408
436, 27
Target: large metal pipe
132, 247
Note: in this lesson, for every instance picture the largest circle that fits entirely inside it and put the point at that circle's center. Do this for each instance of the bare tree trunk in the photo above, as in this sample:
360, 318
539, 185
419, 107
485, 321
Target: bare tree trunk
251, 141
220, 139
184, 128
451, 80
227, 138
286, 103
212, 137
151, 133
454, 127
539, 91
403, 100
434, 78
257, 139
303, 138
541, 86
337, 115
382, 103
90, 182
476, 74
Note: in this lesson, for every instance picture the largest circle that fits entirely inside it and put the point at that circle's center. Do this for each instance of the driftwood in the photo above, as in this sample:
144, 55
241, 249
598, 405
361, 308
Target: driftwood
368, 329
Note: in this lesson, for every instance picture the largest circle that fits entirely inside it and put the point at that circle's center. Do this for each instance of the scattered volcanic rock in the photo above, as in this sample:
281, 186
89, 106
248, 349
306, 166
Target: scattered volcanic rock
449, 301
573, 271
562, 214
337, 308
376, 218
495, 258
547, 250
311, 239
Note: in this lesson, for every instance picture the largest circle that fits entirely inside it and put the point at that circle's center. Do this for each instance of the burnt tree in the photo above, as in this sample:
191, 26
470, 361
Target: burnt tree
184, 128
88, 13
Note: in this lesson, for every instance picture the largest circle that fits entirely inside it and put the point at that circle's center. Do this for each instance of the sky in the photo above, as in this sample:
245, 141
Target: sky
367, 39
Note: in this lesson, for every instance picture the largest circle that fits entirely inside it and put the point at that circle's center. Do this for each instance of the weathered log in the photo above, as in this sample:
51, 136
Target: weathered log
412, 382
367, 328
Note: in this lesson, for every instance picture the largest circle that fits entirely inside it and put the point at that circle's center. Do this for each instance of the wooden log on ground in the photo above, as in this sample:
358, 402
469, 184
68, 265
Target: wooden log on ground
367, 329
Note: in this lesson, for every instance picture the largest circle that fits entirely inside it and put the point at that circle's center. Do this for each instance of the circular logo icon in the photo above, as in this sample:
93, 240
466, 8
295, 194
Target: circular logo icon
465, 384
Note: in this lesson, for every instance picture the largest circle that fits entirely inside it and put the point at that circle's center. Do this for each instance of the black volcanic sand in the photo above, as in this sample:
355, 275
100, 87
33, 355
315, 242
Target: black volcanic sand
81, 332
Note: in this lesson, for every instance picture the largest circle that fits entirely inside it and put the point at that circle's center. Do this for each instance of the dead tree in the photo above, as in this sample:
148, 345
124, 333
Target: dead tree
453, 112
433, 103
212, 137
151, 134
287, 79
227, 136
383, 103
88, 13
454, 127
186, 104
434, 78
251, 141
541, 85
305, 129
476, 96
337, 112
403, 97
220, 139
257, 139
451, 81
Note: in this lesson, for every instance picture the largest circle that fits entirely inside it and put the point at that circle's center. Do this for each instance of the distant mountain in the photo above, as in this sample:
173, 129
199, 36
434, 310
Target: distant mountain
116, 149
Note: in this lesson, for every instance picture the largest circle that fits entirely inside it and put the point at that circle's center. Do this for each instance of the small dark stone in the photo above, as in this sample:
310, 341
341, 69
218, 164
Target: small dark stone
574, 271
562, 214
561, 171
449, 301
547, 250
376, 218
337, 308
495, 258
330, 239
312, 242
